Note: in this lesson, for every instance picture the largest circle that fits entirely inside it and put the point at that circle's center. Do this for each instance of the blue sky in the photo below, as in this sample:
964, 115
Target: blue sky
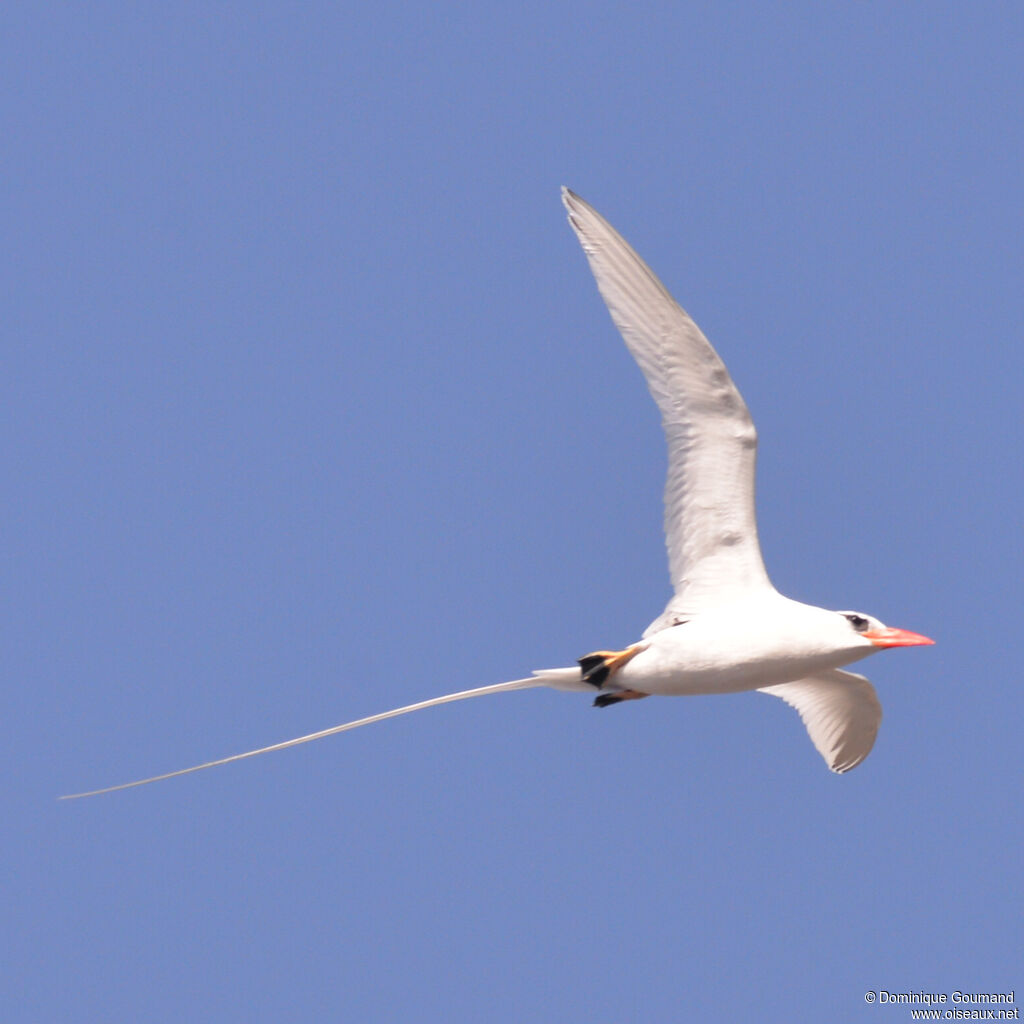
311, 409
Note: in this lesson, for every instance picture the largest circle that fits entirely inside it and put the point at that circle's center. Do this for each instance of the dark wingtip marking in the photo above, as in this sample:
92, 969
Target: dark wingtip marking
605, 700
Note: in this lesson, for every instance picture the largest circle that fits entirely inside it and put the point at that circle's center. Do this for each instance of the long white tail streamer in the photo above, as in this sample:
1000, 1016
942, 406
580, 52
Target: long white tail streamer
562, 679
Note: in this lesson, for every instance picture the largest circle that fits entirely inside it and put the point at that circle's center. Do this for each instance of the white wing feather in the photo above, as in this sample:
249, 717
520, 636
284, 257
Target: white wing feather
841, 712
710, 522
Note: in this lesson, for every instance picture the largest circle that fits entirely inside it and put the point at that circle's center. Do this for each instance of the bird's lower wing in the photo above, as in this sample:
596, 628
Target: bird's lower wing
841, 712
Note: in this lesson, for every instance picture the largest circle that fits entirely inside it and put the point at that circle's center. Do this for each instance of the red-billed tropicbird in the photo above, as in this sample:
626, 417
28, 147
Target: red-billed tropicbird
726, 628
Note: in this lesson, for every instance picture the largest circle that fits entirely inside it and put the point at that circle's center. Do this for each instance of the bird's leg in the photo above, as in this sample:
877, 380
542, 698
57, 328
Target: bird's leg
597, 667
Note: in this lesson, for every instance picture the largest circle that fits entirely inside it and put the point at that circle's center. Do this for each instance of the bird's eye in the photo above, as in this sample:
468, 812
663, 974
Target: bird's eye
858, 622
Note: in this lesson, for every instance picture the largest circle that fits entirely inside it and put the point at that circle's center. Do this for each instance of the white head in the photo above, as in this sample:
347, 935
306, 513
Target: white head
864, 628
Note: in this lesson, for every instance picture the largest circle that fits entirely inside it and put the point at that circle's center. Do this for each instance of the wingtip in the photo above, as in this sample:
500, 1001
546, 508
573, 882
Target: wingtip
841, 767
575, 208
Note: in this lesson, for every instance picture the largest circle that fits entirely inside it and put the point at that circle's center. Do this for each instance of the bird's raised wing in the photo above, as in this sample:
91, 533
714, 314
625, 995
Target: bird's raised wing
841, 713
710, 523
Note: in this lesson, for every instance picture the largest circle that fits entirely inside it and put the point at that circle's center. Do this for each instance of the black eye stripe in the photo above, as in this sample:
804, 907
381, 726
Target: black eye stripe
858, 622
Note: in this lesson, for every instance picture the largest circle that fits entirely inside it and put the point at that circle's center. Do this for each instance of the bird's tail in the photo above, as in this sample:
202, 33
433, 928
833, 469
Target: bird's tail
556, 678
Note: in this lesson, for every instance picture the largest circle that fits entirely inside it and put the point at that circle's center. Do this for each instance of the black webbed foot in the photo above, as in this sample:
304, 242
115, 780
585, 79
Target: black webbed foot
603, 700
595, 669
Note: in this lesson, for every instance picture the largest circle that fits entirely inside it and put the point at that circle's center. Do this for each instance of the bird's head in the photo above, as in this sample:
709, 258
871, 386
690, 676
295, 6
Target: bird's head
867, 629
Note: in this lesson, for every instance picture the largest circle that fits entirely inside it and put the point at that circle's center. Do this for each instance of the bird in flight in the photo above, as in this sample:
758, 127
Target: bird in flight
726, 629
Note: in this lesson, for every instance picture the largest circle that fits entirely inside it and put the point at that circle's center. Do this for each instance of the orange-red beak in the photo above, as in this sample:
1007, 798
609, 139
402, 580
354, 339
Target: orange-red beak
896, 638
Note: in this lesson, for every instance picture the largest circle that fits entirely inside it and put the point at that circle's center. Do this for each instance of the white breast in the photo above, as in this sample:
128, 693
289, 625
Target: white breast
760, 642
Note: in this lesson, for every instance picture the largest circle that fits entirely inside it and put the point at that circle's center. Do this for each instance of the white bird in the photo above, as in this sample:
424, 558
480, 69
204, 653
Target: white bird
726, 628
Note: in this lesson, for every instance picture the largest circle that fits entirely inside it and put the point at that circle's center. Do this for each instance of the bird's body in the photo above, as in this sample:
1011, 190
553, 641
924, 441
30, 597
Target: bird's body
725, 629
759, 641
